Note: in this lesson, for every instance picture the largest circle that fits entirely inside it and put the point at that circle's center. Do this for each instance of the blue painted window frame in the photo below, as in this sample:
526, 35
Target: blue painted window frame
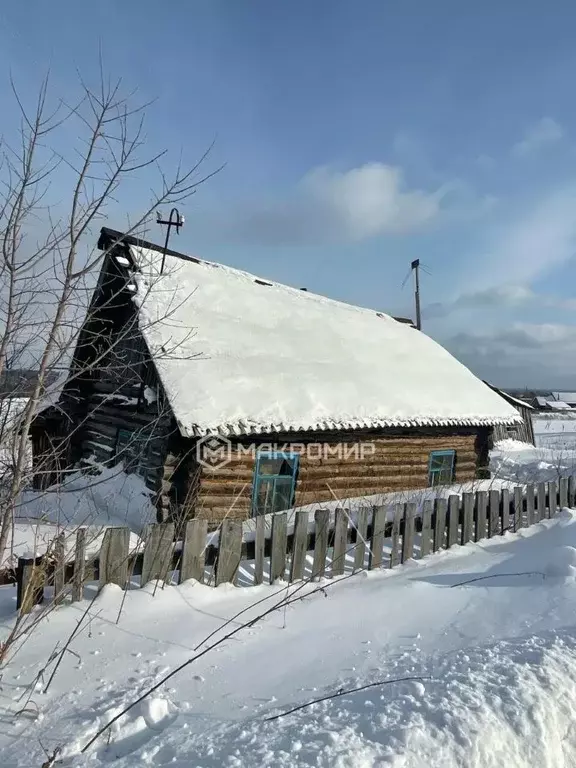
288, 482
440, 472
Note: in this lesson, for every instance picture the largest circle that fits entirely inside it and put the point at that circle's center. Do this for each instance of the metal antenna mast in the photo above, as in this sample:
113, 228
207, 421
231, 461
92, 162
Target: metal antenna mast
415, 266
177, 223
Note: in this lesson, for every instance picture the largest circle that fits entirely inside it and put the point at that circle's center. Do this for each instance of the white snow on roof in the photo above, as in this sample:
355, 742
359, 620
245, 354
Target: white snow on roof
567, 397
558, 405
237, 354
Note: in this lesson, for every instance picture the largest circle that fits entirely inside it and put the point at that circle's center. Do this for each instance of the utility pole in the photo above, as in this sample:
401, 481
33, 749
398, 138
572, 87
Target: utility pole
178, 222
415, 266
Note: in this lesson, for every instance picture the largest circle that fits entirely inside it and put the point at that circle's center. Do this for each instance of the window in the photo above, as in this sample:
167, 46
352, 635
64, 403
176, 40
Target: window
132, 449
274, 482
441, 467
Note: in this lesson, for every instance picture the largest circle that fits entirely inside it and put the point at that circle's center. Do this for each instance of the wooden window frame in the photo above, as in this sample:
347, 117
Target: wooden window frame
260, 477
435, 473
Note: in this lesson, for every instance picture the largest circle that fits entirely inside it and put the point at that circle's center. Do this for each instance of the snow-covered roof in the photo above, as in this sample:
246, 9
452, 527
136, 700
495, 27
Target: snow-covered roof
238, 354
566, 397
559, 405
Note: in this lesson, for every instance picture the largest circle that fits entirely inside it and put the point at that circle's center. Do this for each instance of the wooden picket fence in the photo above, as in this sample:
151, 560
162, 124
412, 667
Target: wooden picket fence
368, 537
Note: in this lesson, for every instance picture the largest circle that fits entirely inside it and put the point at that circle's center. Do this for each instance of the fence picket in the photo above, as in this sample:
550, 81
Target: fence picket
440, 510
299, 546
378, 533
426, 536
229, 552
340, 542
518, 505
552, 498
494, 527
259, 549
279, 541
541, 505
157, 552
481, 516
193, 555
469, 501
563, 492
79, 566
530, 505
322, 519
361, 534
59, 567
572, 491
395, 543
408, 537
453, 520
114, 557
505, 510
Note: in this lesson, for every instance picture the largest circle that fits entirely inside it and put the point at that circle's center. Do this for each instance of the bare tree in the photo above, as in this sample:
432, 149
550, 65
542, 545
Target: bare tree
49, 259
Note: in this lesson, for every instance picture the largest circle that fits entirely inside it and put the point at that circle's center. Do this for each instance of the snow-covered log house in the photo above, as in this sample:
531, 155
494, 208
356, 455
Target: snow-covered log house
235, 396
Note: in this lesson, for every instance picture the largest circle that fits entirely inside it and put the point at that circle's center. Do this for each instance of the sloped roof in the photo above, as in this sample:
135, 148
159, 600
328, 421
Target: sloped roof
237, 354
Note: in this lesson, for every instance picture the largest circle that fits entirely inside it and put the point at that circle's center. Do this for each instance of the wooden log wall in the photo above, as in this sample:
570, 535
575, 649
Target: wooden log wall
342, 542
399, 462
523, 432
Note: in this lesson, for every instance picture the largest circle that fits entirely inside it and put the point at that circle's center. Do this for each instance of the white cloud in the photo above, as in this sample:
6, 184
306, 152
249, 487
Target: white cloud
541, 239
522, 354
340, 206
545, 132
371, 200
499, 297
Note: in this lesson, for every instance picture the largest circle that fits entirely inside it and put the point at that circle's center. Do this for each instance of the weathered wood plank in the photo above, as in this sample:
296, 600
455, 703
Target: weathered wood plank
158, 548
279, 541
531, 518
518, 507
340, 542
259, 548
453, 520
481, 514
552, 498
229, 552
31, 577
494, 526
114, 557
193, 554
572, 491
299, 545
361, 534
59, 567
79, 566
395, 544
541, 512
440, 511
563, 492
408, 537
426, 535
322, 520
469, 502
505, 510
378, 532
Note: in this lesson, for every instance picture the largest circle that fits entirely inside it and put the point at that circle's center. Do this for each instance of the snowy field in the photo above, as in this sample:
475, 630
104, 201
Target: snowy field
556, 431
487, 632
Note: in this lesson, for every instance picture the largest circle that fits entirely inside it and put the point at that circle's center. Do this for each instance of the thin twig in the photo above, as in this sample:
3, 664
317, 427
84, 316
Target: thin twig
344, 692
496, 575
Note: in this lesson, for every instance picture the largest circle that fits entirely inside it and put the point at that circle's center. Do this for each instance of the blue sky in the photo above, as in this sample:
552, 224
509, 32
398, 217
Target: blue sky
358, 136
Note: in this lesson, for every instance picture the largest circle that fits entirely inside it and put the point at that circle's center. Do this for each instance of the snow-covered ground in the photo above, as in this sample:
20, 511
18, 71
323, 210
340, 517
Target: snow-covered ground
495, 658
555, 430
110, 497
488, 631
